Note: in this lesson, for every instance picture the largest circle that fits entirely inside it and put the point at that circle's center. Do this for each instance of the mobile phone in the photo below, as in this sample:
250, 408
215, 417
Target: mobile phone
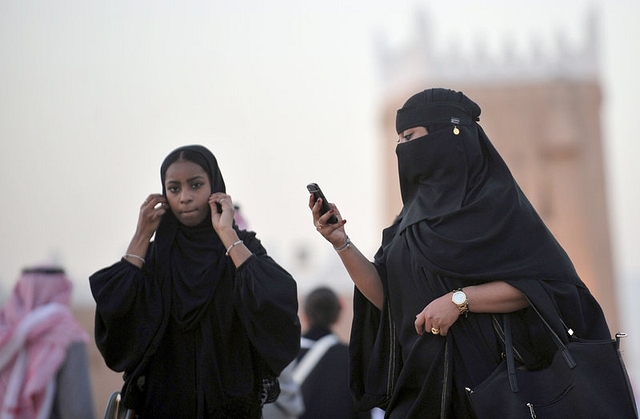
314, 189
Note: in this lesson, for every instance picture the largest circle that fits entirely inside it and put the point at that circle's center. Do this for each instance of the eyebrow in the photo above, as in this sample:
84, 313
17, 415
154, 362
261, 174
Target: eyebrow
191, 179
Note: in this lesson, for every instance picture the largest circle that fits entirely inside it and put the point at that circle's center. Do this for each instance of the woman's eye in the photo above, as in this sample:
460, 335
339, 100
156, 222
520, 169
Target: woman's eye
196, 185
172, 189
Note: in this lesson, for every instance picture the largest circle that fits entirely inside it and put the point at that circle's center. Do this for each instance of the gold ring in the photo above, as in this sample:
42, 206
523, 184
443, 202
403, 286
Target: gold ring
435, 330
320, 226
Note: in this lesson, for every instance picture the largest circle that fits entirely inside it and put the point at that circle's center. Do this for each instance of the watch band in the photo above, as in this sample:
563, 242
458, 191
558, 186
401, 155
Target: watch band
463, 306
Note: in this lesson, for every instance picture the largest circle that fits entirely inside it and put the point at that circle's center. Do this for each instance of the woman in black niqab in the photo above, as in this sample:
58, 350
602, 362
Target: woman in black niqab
200, 319
465, 225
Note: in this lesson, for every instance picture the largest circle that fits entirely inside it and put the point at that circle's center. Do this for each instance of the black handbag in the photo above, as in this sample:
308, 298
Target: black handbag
586, 379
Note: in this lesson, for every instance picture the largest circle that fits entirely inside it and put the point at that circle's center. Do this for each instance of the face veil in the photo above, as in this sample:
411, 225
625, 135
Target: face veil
463, 213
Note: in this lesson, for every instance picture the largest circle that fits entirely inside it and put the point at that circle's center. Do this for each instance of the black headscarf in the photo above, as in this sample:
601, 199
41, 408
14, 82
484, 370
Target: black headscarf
193, 255
463, 211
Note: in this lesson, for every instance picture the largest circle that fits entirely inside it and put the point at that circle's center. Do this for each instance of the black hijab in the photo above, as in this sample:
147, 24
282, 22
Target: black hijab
193, 255
463, 212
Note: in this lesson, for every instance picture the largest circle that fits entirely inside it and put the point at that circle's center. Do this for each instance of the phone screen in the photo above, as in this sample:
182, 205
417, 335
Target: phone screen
314, 189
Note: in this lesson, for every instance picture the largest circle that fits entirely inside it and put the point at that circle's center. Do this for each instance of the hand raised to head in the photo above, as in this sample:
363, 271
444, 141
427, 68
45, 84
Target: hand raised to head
151, 211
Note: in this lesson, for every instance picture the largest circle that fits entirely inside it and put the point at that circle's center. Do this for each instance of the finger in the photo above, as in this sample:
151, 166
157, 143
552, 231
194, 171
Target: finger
218, 195
312, 202
159, 212
318, 221
220, 198
419, 325
335, 211
325, 217
153, 200
315, 208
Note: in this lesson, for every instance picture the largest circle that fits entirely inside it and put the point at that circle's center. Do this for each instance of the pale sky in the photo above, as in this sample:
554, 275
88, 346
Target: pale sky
94, 94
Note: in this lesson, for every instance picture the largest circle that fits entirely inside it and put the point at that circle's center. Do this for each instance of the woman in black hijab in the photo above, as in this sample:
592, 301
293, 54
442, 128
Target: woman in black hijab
200, 319
466, 248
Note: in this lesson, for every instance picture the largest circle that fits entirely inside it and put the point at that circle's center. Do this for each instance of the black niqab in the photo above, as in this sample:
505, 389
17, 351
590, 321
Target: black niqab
463, 211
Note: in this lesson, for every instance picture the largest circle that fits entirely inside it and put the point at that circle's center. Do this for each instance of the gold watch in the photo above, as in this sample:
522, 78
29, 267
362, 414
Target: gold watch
459, 298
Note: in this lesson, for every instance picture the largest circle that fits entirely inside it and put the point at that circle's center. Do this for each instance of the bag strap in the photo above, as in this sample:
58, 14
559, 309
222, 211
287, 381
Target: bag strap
509, 352
571, 363
311, 358
508, 348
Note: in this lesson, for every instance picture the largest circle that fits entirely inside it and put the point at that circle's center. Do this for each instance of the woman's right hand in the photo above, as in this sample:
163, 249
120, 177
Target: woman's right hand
334, 233
151, 211
363, 273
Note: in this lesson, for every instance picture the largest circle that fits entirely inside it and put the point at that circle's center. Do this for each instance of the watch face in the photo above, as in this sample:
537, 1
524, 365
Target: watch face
459, 297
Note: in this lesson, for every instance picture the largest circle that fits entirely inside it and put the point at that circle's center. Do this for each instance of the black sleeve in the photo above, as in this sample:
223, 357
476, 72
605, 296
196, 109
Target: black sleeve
268, 307
128, 313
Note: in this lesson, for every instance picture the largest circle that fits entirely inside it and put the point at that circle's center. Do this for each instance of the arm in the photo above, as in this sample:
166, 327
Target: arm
491, 297
363, 273
148, 220
360, 269
223, 225
267, 306
129, 313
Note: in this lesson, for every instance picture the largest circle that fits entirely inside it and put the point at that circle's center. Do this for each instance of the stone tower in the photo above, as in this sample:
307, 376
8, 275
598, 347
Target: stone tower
543, 115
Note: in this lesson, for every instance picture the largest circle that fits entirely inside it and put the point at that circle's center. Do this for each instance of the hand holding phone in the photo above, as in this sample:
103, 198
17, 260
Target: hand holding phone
314, 189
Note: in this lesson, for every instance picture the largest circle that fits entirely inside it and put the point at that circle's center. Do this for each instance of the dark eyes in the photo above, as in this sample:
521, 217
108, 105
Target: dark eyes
194, 185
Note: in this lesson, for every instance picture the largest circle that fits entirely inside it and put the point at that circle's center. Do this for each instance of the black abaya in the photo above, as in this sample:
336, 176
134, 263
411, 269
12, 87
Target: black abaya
464, 222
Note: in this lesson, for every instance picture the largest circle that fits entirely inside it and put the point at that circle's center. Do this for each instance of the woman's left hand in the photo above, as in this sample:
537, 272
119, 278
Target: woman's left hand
490, 297
437, 317
221, 220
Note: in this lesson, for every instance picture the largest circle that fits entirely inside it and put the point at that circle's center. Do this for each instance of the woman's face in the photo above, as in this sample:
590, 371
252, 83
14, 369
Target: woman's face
411, 134
188, 189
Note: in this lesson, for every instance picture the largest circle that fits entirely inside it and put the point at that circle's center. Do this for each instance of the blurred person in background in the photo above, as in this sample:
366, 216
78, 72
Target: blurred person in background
322, 367
44, 367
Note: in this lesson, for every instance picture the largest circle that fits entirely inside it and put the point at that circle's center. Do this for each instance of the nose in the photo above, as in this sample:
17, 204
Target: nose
185, 195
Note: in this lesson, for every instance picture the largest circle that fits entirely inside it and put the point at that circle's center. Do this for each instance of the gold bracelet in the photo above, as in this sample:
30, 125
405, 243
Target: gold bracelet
232, 246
